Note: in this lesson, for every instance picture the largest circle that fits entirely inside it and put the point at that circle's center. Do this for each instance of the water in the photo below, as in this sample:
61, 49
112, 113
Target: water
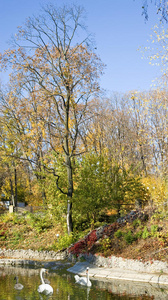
65, 287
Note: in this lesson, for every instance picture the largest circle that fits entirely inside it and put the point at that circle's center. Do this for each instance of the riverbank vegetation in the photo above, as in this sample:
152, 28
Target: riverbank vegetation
138, 235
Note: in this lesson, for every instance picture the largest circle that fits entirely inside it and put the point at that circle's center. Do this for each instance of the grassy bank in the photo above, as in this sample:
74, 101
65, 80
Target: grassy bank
145, 237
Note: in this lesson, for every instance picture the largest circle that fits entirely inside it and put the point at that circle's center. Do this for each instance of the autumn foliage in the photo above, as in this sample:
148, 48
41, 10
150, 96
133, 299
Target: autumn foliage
65, 145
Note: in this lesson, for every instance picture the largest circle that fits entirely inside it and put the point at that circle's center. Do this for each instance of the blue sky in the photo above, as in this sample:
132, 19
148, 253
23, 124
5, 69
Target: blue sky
119, 30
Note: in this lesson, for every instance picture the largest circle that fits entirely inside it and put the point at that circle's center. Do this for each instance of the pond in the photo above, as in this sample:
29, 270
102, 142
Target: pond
64, 286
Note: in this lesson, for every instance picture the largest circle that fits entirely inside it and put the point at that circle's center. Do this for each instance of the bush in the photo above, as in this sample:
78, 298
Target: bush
118, 234
78, 248
63, 241
129, 237
139, 234
154, 229
145, 233
105, 244
136, 223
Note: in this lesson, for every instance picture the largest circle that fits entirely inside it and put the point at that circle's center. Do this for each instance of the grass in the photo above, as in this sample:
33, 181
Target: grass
145, 240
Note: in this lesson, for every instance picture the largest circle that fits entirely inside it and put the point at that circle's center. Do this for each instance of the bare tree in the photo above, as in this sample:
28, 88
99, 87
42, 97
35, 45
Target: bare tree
54, 60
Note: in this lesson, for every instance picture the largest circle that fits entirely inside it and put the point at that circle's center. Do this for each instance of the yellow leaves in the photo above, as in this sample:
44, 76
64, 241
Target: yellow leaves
71, 123
134, 95
160, 39
34, 198
157, 188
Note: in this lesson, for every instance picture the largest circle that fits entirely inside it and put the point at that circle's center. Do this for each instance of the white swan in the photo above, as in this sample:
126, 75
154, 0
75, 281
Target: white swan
83, 280
44, 288
18, 286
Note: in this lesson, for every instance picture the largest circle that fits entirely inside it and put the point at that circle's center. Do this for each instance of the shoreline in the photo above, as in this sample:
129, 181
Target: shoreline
100, 267
118, 274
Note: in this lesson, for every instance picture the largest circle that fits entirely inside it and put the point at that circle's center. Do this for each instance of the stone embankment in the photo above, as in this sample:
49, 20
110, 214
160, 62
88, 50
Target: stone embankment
154, 266
34, 257
23, 257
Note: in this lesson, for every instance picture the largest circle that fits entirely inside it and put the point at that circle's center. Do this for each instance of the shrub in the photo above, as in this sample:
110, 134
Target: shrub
145, 233
118, 233
79, 247
154, 229
129, 237
136, 223
105, 244
139, 234
91, 238
64, 241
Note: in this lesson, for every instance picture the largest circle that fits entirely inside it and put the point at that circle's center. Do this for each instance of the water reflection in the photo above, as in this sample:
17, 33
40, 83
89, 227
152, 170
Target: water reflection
65, 287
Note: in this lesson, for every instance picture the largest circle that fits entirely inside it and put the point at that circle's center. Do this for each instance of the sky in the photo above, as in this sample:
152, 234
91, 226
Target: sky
119, 30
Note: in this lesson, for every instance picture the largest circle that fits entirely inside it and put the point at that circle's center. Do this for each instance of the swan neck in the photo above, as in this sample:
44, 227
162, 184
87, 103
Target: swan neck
41, 276
87, 277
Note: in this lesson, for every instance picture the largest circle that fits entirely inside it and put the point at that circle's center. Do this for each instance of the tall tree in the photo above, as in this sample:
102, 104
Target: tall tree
23, 127
158, 110
64, 71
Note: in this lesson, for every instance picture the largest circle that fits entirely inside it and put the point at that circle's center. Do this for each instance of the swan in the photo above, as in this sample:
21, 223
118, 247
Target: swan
44, 287
84, 280
18, 286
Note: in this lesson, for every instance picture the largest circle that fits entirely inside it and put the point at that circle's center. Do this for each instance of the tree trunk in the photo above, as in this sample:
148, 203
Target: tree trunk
12, 192
69, 217
16, 188
68, 165
70, 192
11, 186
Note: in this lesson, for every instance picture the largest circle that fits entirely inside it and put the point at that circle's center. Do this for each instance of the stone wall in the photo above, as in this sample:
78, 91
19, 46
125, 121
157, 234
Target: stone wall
153, 266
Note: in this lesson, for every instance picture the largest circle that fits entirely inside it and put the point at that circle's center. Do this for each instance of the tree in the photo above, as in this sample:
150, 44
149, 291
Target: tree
158, 53
118, 130
140, 124
159, 129
23, 141
14, 171
161, 6
62, 73
92, 187
156, 101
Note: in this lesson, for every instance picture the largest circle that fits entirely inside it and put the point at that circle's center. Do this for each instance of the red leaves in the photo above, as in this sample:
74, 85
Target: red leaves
91, 238
84, 245
78, 247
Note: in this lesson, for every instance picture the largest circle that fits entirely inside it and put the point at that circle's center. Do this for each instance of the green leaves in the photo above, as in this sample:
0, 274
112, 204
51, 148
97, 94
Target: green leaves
91, 194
